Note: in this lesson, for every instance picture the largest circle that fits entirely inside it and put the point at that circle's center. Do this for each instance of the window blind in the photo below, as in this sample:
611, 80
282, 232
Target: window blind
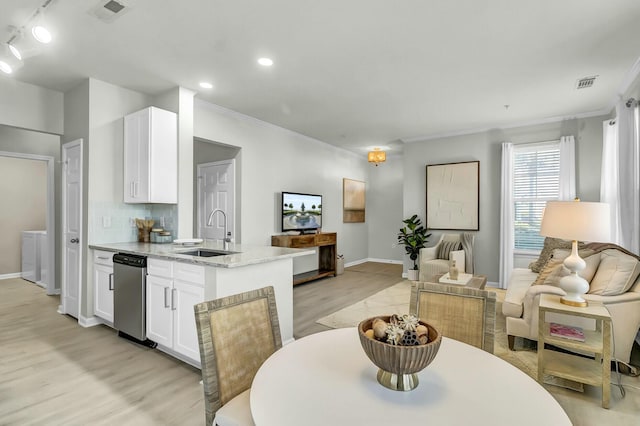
536, 181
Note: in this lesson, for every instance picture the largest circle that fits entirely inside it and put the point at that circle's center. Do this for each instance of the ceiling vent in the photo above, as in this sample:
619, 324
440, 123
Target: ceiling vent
585, 82
109, 10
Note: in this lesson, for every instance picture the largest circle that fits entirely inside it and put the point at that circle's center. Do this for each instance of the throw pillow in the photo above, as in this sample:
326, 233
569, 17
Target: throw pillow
446, 247
552, 266
616, 274
591, 259
550, 244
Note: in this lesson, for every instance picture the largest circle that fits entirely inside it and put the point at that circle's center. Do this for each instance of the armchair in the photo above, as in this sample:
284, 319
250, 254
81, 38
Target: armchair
430, 263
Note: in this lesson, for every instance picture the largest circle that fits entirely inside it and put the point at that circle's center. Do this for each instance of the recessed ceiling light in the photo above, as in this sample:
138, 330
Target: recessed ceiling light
265, 62
206, 85
41, 34
5, 67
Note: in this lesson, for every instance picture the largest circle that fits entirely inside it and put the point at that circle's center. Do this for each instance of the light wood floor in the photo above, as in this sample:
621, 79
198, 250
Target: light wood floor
55, 372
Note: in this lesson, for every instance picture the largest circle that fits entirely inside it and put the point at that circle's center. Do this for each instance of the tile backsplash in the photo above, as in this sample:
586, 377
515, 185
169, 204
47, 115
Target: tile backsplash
115, 222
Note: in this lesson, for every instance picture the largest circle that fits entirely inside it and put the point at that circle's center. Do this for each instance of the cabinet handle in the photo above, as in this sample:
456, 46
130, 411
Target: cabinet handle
166, 298
111, 281
173, 299
131, 189
135, 189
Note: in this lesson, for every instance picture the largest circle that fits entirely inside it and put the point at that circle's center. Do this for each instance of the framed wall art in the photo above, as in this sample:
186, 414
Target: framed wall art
353, 201
453, 196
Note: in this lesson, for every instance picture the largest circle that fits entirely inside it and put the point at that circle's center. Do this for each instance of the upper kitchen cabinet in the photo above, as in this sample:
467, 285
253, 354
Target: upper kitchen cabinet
150, 157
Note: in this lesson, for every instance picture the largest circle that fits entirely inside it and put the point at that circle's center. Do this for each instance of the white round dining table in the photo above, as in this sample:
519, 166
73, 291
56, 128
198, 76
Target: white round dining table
327, 379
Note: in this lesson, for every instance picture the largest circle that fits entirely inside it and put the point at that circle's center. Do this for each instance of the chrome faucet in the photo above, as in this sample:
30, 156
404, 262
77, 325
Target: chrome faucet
226, 238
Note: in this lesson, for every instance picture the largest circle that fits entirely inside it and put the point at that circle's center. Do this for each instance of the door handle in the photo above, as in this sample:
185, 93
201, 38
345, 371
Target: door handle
111, 281
74, 240
173, 299
166, 298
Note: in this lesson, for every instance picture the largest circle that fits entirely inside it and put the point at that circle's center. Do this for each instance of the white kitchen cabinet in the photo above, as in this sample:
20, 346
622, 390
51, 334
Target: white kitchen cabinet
159, 313
150, 157
172, 290
185, 333
103, 285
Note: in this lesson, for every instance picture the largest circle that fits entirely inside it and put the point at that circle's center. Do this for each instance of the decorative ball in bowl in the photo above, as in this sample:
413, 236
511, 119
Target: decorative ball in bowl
412, 348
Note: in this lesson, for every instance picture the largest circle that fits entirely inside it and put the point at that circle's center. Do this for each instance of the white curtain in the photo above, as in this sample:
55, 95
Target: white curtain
609, 176
620, 176
506, 215
567, 168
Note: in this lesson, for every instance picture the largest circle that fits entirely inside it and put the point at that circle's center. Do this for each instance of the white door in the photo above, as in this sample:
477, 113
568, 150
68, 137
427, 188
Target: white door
216, 190
185, 334
72, 227
159, 315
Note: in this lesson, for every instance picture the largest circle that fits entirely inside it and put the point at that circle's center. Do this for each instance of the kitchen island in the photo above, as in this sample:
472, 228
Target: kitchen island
192, 279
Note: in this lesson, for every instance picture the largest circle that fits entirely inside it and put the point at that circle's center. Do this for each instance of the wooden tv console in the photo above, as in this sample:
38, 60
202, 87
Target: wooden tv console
326, 243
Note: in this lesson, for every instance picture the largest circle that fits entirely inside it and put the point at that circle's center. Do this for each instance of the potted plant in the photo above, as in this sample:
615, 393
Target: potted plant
413, 236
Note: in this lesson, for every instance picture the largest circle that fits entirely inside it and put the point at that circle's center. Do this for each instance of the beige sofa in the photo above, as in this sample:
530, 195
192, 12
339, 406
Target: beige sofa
522, 298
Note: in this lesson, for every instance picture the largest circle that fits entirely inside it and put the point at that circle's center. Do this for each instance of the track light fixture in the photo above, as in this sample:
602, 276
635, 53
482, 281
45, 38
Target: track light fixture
19, 47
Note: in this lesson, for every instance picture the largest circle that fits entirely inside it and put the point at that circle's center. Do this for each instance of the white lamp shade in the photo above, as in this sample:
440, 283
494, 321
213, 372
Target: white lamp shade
576, 220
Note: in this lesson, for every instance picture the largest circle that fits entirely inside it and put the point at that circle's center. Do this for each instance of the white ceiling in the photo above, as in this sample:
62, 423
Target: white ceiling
353, 73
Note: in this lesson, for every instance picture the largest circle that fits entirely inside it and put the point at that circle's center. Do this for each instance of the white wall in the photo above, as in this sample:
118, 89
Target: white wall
180, 101
486, 147
30, 107
385, 209
274, 160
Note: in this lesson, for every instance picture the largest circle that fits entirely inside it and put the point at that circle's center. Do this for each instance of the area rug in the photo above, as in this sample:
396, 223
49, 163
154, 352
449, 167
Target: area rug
395, 300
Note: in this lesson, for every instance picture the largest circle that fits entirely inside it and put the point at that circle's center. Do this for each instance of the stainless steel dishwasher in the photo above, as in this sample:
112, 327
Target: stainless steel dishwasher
129, 297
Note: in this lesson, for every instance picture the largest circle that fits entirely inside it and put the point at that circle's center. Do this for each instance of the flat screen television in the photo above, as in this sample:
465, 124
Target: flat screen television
301, 212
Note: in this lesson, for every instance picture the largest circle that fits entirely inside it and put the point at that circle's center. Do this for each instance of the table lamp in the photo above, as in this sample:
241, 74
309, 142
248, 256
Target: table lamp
576, 221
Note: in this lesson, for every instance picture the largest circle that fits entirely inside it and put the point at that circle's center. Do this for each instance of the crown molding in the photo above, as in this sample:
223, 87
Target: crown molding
247, 118
548, 120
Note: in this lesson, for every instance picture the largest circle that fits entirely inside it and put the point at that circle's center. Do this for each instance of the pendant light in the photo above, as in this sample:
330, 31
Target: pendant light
377, 156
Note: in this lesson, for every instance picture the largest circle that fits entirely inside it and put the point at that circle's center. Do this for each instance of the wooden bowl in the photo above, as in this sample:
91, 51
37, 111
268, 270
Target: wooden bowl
398, 365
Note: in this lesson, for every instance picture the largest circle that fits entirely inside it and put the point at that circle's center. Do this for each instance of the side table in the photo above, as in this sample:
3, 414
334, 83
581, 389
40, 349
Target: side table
477, 281
595, 372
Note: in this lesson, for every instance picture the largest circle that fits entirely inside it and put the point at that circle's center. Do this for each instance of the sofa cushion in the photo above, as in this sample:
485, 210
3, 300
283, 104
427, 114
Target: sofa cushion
519, 283
446, 247
591, 259
552, 267
550, 244
616, 273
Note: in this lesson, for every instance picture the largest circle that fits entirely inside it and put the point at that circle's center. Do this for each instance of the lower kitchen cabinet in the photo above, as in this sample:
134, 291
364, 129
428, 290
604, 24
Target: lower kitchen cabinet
103, 285
170, 299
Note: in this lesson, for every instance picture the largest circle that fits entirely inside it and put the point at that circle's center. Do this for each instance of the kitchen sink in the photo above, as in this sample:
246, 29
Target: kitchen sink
206, 252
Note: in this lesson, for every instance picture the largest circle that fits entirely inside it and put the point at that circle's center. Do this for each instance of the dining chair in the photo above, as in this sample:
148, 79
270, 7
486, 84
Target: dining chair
461, 313
236, 335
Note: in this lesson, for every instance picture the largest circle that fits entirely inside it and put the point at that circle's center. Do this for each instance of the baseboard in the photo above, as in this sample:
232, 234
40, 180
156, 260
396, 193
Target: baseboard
9, 276
371, 259
89, 321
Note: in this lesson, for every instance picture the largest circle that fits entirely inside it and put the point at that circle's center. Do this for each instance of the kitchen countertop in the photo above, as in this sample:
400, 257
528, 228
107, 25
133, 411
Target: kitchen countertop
246, 254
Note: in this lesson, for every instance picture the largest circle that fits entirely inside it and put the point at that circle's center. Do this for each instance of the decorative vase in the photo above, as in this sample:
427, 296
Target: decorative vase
412, 274
453, 271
